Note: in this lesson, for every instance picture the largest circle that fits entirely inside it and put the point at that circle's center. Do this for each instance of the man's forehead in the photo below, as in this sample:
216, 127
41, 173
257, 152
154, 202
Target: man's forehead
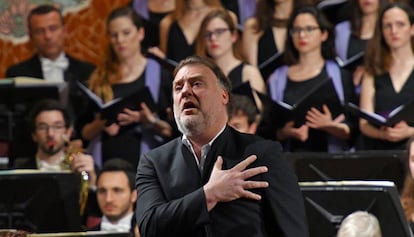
193, 71
50, 114
46, 19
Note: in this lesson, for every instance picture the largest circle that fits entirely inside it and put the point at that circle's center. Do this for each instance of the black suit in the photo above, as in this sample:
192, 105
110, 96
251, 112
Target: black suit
171, 200
77, 70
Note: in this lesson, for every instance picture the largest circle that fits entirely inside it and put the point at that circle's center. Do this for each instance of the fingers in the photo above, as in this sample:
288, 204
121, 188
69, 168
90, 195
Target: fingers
82, 162
326, 109
145, 108
219, 163
340, 118
255, 184
251, 195
242, 165
253, 171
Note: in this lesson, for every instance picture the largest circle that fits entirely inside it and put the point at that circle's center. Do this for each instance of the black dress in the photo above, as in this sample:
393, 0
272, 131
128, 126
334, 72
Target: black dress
355, 46
266, 50
177, 46
152, 29
235, 75
387, 99
317, 140
266, 46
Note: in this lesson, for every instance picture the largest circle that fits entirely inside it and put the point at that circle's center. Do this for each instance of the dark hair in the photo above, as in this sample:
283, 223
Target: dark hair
43, 10
265, 10
245, 105
222, 79
327, 49
357, 14
118, 164
125, 12
224, 15
377, 58
47, 105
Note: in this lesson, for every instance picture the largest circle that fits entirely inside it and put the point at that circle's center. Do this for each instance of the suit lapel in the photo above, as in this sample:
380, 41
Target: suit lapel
36, 67
222, 146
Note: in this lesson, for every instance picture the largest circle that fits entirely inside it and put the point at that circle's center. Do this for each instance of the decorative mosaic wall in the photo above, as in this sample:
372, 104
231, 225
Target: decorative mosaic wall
84, 19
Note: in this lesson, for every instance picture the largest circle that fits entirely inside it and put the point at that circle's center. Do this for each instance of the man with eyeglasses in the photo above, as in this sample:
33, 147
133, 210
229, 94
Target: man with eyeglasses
50, 127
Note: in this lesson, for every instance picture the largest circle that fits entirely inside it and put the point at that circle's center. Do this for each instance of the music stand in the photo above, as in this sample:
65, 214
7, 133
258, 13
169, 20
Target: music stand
40, 202
328, 203
79, 234
364, 165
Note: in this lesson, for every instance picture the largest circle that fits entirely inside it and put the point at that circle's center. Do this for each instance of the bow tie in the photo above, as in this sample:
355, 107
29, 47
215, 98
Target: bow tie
60, 63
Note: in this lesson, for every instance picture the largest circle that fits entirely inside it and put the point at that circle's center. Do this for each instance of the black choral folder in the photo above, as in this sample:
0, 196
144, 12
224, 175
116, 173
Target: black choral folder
323, 93
403, 112
268, 66
351, 63
167, 63
110, 110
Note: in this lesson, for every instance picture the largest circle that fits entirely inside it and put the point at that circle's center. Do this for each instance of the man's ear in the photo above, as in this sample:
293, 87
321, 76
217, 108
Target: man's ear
226, 96
68, 132
134, 196
252, 128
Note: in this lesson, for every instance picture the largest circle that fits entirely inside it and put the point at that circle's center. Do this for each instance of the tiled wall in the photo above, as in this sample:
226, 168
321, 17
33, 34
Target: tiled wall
85, 39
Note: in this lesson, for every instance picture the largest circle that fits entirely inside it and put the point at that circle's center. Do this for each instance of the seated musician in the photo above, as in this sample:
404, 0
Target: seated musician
50, 126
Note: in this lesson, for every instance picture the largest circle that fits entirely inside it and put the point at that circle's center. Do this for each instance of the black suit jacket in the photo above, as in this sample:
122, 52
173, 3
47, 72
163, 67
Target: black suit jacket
171, 200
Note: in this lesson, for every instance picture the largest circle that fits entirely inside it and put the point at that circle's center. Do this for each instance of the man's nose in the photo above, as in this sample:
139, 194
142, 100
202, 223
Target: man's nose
109, 197
187, 90
47, 34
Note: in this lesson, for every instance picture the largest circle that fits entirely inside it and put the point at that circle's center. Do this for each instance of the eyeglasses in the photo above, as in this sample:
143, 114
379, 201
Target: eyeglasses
44, 128
307, 30
216, 33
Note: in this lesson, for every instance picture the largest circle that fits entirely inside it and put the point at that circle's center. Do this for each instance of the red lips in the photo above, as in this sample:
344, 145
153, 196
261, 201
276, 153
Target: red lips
302, 43
214, 46
51, 143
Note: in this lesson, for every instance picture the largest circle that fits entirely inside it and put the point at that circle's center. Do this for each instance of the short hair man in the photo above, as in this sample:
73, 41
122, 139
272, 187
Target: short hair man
47, 34
50, 127
116, 195
242, 114
215, 181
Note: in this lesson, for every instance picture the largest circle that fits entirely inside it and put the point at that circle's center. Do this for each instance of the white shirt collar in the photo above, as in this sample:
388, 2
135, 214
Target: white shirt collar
123, 225
53, 70
46, 166
204, 149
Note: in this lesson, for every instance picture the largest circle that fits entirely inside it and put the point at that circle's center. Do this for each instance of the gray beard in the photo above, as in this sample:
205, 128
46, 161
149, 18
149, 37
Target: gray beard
192, 127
